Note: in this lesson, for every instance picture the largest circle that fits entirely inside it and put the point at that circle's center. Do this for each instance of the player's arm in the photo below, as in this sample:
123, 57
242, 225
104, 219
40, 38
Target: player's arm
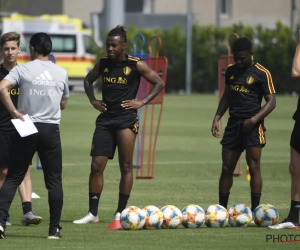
296, 60
5, 87
66, 94
222, 108
63, 103
266, 109
268, 91
153, 78
90, 78
223, 104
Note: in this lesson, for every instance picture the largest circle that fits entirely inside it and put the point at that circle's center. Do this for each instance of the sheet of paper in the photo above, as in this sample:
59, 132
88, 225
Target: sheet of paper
25, 128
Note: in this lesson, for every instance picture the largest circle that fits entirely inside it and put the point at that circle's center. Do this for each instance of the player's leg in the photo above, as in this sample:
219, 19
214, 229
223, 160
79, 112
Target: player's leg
253, 156
50, 153
231, 151
254, 141
126, 135
229, 160
103, 148
21, 154
292, 220
25, 191
3, 173
125, 142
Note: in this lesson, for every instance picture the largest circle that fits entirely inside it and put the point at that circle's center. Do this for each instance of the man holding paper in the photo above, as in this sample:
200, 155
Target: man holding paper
43, 94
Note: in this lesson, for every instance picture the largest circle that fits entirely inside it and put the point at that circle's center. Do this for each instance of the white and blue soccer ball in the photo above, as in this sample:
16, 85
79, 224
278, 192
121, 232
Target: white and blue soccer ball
240, 215
172, 217
265, 215
132, 218
216, 216
153, 217
193, 216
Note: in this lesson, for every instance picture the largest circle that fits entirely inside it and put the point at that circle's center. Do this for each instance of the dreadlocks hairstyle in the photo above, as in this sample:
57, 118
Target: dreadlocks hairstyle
242, 44
119, 31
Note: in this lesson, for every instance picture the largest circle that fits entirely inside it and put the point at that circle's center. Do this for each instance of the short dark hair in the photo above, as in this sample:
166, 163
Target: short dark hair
119, 31
242, 44
10, 36
41, 43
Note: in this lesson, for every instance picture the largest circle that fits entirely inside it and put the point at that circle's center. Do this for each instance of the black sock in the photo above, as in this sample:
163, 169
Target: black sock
123, 199
255, 200
294, 211
223, 199
94, 199
26, 207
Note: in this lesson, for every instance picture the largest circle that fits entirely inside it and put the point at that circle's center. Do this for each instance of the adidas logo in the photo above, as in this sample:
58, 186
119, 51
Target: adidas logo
106, 70
44, 79
297, 206
94, 198
231, 78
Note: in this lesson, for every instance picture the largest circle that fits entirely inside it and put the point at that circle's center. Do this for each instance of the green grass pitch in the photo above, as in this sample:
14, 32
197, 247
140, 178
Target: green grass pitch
187, 170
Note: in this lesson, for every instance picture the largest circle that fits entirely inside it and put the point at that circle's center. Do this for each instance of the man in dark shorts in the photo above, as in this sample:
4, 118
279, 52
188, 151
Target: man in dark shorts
10, 49
246, 83
292, 220
117, 125
43, 94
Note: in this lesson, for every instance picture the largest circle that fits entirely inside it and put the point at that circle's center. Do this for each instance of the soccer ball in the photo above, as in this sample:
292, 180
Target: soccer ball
266, 215
193, 216
216, 216
132, 218
172, 217
240, 215
153, 217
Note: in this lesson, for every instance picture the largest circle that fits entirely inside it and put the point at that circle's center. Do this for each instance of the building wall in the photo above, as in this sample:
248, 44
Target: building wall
32, 7
82, 8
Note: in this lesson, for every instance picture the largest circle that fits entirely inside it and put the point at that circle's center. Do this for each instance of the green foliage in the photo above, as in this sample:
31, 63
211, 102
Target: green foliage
273, 48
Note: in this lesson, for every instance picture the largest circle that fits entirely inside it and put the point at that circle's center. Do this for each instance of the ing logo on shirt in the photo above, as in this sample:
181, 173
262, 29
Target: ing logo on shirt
118, 80
127, 70
14, 91
250, 80
239, 88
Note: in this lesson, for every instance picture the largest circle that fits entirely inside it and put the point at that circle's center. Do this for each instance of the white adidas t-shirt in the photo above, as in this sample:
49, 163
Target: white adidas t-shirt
42, 86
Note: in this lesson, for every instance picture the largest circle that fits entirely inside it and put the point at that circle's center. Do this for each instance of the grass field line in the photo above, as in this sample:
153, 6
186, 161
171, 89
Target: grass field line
179, 162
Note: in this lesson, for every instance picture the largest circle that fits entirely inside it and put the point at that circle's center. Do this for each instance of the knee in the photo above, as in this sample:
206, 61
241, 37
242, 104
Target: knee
96, 168
227, 170
294, 169
126, 168
254, 169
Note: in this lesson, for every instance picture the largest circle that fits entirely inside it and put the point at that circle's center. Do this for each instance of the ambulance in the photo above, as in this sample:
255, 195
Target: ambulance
73, 44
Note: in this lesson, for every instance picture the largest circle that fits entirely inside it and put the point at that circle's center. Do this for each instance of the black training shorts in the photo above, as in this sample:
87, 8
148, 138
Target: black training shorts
105, 136
235, 139
5, 145
295, 137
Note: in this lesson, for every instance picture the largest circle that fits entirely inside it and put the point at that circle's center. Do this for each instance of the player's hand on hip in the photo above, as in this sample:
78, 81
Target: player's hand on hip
132, 104
248, 125
99, 105
215, 129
